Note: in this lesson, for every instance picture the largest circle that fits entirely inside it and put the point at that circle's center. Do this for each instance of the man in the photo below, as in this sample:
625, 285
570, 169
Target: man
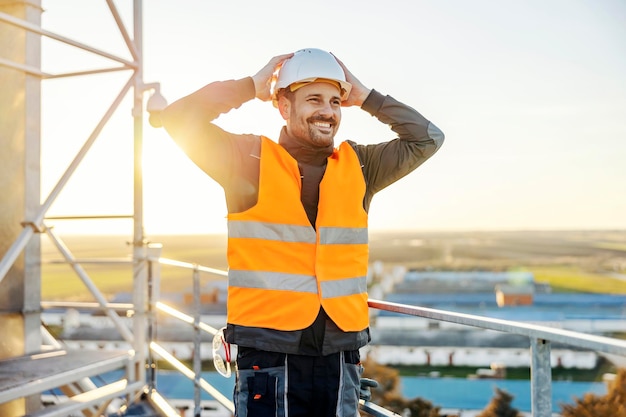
297, 226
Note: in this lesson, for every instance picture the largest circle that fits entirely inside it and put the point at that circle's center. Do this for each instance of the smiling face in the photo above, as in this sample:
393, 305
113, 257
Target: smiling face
312, 113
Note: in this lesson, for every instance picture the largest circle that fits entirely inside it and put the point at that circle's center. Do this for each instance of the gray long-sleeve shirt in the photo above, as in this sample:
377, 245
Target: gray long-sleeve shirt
233, 161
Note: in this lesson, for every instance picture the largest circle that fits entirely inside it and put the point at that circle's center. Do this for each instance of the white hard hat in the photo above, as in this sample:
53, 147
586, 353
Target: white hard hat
309, 65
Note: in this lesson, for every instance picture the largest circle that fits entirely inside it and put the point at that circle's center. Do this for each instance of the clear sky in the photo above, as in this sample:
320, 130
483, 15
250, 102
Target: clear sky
530, 94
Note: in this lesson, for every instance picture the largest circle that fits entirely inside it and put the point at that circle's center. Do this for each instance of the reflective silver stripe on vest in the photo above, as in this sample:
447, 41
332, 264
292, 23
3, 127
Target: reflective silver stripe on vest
343, 235
272, 281
343, 287
271, 231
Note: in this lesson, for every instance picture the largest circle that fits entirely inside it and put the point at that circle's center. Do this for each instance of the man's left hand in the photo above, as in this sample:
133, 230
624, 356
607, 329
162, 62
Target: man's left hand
358, 93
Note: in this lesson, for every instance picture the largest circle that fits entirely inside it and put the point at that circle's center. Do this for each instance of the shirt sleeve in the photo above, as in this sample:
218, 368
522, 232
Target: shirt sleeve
417, 140
189, 122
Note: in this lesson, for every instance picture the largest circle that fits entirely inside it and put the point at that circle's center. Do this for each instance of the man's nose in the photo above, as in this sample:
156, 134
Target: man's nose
326, 110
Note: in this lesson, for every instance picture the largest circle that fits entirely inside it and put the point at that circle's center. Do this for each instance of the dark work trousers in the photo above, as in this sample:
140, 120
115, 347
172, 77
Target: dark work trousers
271, 384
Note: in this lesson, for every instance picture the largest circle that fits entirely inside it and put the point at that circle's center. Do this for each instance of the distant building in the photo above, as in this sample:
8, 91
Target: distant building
514, 295
511, 288
209, 296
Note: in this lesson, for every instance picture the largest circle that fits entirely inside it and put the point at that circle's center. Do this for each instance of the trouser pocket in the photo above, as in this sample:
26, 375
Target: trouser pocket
260, 393
348, 396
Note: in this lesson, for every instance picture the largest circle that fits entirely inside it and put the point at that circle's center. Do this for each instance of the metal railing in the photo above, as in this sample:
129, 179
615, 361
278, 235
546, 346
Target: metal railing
540, 337
200, 327
153, 277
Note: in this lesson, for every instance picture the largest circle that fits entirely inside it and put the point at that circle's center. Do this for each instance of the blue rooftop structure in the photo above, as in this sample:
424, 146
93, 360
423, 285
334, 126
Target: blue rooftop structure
474, 292
546, 307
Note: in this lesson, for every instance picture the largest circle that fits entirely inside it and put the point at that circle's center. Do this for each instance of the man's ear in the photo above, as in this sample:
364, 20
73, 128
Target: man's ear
284, 107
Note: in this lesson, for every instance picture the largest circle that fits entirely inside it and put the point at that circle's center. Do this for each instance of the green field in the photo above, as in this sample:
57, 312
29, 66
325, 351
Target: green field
572, 279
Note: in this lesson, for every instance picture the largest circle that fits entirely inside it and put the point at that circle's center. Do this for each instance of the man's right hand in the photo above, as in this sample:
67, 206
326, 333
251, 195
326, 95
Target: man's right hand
266, 75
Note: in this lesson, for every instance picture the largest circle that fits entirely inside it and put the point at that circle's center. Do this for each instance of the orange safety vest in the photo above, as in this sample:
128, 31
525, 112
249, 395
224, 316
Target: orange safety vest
280, 268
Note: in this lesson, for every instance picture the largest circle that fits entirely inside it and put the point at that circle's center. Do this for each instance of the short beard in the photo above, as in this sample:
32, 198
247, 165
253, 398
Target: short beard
316, 138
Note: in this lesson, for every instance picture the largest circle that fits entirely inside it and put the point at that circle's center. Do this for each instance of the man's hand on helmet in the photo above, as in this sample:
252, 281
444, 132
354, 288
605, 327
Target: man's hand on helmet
266, 75
358, 93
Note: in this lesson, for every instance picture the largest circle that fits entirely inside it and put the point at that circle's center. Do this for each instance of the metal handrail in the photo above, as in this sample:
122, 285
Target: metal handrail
540, 337
187, 265
200, 383
180, 367
195, 321
93, 289
586, 341
172, 312
87, 306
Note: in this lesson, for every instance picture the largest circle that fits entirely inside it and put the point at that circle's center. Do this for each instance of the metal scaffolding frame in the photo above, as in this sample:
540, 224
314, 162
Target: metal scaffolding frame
36, 223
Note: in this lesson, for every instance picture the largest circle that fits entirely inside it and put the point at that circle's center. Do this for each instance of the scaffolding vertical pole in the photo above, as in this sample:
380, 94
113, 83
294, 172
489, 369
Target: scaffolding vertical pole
154, 295
197, 343
140, 270
20, 147
540, 378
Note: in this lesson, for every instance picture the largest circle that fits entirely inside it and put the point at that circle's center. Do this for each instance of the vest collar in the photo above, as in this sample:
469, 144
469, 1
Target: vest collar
304, 153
